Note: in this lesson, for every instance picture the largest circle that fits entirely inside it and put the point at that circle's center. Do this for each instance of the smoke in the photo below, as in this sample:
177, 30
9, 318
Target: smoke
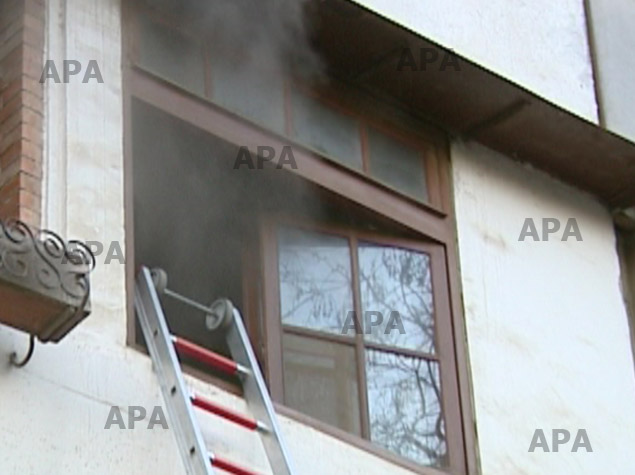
194, 214
272, 37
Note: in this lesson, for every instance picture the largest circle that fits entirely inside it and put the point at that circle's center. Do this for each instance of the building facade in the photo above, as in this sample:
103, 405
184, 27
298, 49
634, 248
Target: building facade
423, 210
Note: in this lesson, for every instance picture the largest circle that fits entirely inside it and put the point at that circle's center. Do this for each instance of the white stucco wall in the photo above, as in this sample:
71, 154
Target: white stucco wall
539, 44
547, 331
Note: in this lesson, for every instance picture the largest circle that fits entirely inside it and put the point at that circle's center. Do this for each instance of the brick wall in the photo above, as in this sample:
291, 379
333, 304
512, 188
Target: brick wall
21, 109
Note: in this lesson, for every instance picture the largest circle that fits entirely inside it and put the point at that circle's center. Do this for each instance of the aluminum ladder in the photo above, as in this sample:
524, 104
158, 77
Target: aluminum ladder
180, 402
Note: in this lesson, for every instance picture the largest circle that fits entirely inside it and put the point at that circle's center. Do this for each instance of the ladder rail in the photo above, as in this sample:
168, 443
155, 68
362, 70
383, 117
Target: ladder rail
167, 367
257, 396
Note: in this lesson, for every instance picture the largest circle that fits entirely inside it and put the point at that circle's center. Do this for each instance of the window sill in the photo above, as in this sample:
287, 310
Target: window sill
360, 443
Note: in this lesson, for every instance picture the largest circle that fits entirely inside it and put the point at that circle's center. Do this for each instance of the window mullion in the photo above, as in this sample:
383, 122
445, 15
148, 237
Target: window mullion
359, 342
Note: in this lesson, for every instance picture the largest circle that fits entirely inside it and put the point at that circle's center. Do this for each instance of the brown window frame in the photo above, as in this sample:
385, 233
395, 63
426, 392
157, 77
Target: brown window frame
444, 355
433, 220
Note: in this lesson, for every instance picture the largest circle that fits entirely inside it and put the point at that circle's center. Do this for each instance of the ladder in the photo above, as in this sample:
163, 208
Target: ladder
180, 402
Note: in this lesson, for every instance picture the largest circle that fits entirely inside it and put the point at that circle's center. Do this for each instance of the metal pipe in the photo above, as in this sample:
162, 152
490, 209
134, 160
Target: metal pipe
188, 301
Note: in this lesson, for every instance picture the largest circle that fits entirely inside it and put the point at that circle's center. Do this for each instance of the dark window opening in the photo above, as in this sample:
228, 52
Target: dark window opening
199, 218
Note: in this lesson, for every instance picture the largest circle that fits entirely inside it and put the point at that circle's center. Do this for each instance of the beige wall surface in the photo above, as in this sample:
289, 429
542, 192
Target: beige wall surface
547, 328
539, 44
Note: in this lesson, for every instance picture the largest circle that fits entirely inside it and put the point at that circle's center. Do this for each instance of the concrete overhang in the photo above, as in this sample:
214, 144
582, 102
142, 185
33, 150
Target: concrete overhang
364, 49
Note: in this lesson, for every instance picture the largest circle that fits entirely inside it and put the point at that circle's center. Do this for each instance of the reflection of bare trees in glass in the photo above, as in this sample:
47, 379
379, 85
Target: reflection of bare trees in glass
315, 281
403, 392
405, 406
404, 397
398, 280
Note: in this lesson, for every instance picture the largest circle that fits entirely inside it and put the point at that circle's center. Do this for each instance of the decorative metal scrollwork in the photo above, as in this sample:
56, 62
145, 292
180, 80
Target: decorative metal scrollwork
61, 264
42, 262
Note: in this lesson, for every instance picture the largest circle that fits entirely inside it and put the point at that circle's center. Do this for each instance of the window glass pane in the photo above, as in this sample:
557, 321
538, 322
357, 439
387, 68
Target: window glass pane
327, 131
397, 165
320, 379
248, 91
315, 280
404, 399
170, 54
396, 295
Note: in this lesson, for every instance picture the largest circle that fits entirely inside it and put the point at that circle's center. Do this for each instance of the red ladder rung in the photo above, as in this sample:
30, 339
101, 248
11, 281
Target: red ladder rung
228, 414
230, 467
206, 356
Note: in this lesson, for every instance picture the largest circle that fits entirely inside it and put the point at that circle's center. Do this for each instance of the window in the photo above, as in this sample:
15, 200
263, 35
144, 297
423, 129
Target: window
397, 164
248, 90
171, 54
360, 343
238, 80
346, 137
321, 128
341, 267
